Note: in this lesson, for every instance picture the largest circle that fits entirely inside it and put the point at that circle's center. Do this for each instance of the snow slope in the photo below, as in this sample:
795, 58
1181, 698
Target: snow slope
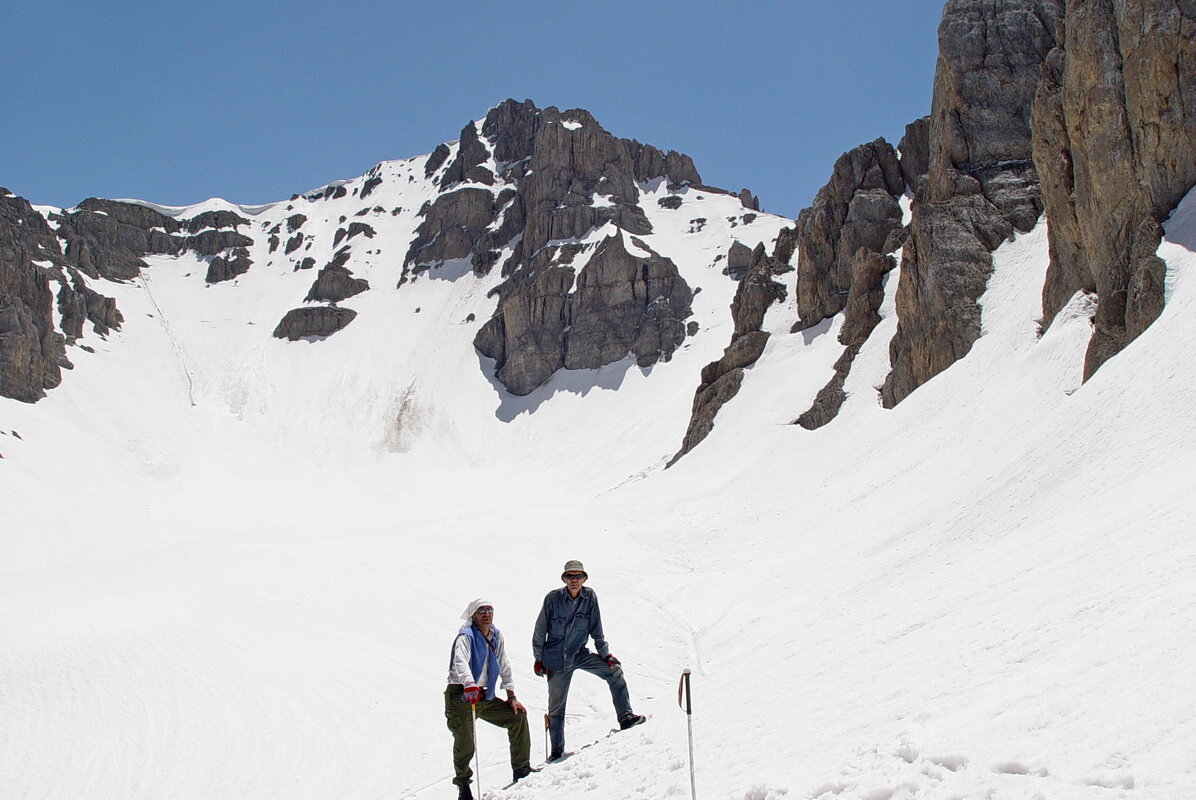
231, 566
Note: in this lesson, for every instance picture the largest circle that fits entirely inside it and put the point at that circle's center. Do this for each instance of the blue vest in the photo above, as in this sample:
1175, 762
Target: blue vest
481, 653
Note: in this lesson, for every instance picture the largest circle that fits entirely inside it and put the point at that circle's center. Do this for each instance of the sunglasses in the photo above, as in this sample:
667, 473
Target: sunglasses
573, 576
485, 610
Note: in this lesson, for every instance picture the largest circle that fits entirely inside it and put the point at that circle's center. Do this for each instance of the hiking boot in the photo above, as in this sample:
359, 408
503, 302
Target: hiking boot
631, 720
463, 792
519, 773
557, 755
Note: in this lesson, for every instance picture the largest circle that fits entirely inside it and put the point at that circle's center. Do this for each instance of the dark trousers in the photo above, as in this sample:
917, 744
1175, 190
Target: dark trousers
558, 693
458, 715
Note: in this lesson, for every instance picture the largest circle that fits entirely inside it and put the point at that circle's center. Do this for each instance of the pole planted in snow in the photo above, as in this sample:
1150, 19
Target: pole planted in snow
687, 706
477, 771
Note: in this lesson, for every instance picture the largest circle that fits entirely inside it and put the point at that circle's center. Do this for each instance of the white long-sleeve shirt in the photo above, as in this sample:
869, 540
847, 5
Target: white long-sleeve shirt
459, 671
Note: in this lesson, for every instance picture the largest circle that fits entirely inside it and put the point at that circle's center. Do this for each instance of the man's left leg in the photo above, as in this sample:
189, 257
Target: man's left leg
499, 712
592, 662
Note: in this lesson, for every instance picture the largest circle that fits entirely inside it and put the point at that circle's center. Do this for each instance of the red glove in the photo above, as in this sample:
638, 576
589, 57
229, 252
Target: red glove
538, 668
472, 694
611, 661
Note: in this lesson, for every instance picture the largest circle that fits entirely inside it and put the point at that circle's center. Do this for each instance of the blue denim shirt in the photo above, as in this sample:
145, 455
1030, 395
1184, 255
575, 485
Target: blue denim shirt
564, 626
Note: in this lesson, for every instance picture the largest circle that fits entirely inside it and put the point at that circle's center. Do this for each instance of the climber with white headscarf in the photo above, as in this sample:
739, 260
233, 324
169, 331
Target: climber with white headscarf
477, 664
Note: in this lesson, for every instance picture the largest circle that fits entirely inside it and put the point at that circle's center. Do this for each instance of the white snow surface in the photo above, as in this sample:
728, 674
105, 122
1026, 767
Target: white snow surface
231, 566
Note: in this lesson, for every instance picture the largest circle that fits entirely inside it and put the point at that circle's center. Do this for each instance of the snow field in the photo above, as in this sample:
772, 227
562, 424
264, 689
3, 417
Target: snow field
232, 566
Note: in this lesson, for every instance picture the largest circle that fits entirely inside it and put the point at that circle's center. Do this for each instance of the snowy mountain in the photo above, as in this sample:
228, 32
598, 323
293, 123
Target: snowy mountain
294, 440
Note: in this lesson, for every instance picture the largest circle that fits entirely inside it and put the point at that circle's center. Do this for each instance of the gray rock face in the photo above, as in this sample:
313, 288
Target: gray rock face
1115, 146
299, 323
623, 304
335, 283
856, 209
214, 219
451, 227
915, 153
108, 239
79, 303
213, 242
981, 184
467, 166
560, 176
861, 317
225, 269
739, 258
721, 379
32, 353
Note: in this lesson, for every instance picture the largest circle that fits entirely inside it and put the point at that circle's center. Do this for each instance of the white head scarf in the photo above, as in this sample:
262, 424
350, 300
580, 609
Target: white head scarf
473, 607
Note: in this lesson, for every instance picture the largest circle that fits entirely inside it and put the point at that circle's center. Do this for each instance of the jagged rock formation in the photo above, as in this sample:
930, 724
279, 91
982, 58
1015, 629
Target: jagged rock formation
857, 209
335, 283
97, 240
861, 316
981, 184
32, 353
626, 301
722, 379
534, 190
107, 239
1115, 146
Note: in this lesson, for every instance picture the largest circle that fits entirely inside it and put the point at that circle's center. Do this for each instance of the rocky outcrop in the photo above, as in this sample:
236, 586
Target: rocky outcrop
214, 219
721, 379
467, 166
1115, 147
627, 301
32, 352
540, 186
914, 149
857, 209
981, 184
335, 283
225, 269
861, 316
108, 239
451, 228
317, 321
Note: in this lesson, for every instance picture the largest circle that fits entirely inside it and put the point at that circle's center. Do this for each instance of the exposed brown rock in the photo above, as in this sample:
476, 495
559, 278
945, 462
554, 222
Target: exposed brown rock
861, 317
981, 184
1115, 146
856, 209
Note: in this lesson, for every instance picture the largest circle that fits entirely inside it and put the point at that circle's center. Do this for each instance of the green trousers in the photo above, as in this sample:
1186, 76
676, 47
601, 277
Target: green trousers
458, 714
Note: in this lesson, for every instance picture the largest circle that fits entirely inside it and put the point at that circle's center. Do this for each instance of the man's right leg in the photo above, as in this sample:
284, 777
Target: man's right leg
458, 715
558, 694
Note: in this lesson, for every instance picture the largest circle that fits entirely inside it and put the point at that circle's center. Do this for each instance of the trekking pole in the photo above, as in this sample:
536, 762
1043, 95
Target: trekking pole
477, 771
683, 691
546, 753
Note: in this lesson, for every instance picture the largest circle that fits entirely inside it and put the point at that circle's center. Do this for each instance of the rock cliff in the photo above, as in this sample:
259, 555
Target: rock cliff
1115, 145
554, 197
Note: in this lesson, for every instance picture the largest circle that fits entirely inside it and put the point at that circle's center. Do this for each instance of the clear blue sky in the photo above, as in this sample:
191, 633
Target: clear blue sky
176, 102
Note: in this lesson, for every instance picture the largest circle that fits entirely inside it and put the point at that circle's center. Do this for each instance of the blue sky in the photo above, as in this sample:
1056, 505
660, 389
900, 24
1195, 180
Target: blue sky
176, 102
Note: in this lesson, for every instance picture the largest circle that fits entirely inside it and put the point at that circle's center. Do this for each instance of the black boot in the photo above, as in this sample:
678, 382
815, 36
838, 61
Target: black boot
463, 792
519, 773
631, 720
